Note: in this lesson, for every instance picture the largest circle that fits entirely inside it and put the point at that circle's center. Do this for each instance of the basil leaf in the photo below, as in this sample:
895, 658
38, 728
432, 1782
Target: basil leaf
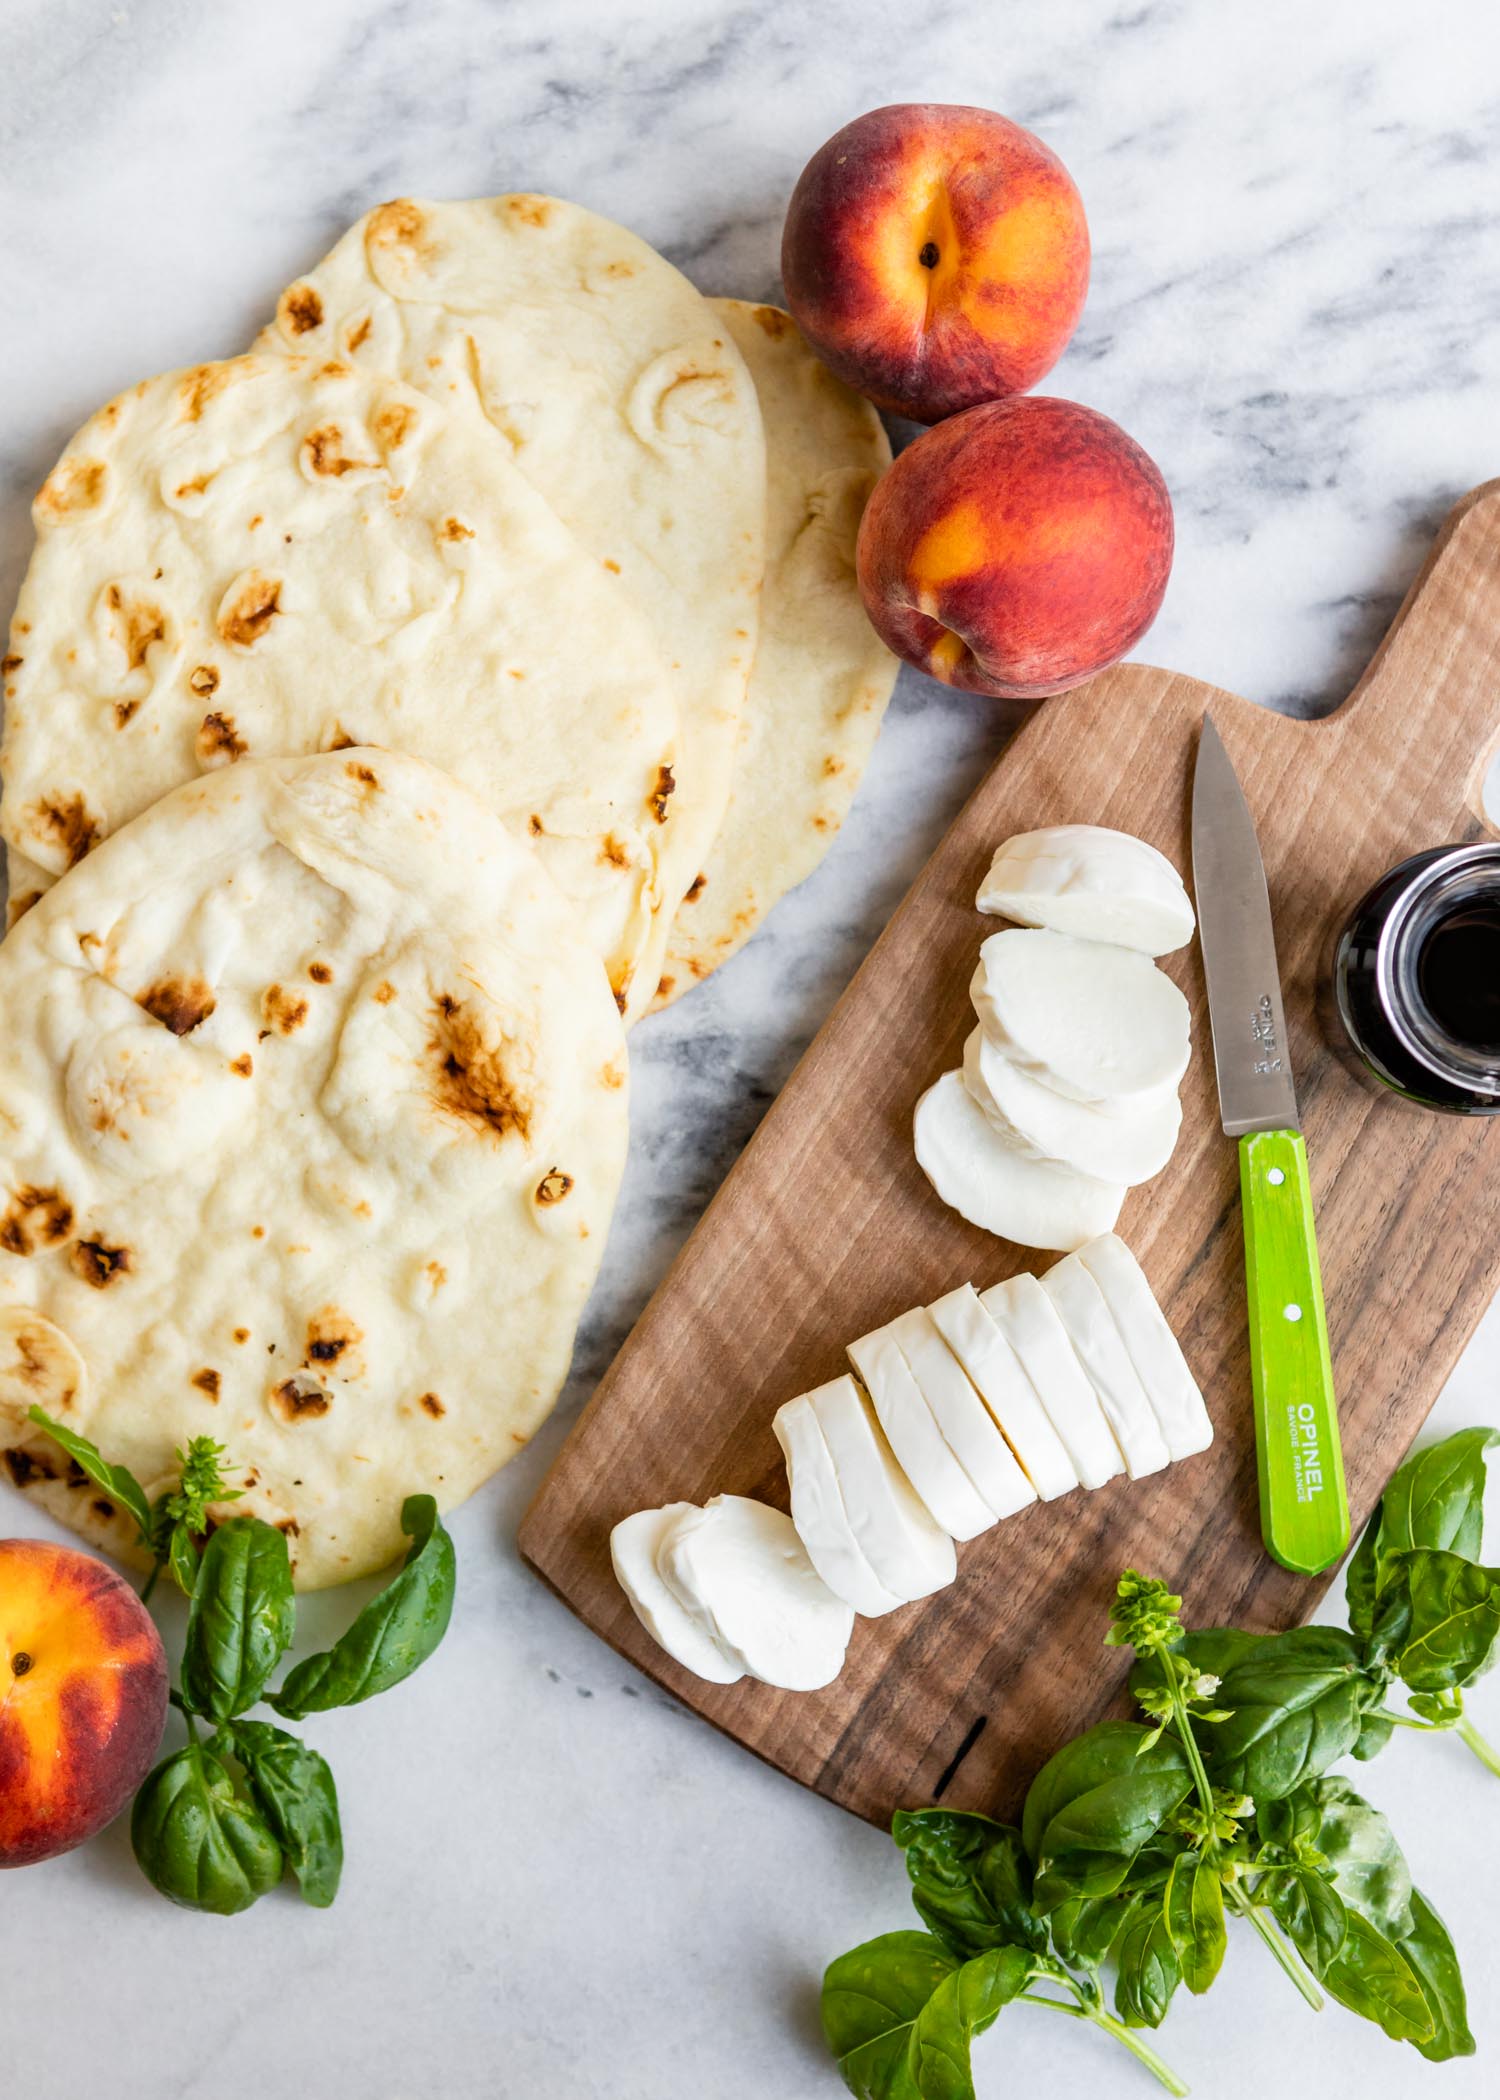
871, 1998
241, 1619
1094, 1806
1430, 1956
118, 1482
1086, 1927
971, 1880
1436, 1498
1362, 1579
182, 1559
1368, 1867
1296, 1703
1454, 1623
1193, 1908
1306, 1902
1210, 1649
963, 2006
1375, 1731
1293, 1819
294, 1789
1374, 1979
1149, 1971
393, 1635
197, 1841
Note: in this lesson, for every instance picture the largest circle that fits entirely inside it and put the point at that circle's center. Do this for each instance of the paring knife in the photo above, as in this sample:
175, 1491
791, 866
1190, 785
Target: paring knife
1304, 1510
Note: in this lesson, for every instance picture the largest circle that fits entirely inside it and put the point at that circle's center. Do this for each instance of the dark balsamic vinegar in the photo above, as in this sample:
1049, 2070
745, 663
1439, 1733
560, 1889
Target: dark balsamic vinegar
1458, 975
1415, 980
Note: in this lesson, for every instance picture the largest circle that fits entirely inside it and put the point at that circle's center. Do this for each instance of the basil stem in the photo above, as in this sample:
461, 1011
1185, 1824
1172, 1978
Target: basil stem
1098, 2017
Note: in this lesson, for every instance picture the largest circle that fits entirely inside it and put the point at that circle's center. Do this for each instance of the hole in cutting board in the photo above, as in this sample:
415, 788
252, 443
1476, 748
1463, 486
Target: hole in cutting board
976, 1730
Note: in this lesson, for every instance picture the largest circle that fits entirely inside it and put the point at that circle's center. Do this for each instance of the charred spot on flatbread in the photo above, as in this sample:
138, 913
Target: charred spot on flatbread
64, 821
35, 1217
334, 1339
245, 616
95, 1262
301, 309
300, 1398
181, 1004
74, 485
283, 1011
472, 1080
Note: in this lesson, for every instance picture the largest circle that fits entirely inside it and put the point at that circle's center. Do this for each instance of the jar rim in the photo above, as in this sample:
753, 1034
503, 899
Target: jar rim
1425, 901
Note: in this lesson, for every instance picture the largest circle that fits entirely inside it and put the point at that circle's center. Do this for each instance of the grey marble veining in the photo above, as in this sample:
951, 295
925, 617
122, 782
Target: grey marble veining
559, 1885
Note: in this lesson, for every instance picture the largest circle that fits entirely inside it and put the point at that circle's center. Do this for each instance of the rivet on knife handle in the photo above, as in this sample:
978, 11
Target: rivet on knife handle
1304, 1510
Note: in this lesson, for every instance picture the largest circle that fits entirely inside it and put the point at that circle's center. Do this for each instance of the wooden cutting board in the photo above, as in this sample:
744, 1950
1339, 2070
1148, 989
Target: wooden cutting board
825, 1228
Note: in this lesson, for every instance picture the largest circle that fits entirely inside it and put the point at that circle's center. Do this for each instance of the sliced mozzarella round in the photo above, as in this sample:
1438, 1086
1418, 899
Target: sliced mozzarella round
993, 1184
1163, 1369
1102, 1352
1100, 885
819, 1514
909, 1551
738, 1568
1088, 1020
1128, 1140
1028, 1319
1002, 1383
633, 1547
967, 1426
913, 1434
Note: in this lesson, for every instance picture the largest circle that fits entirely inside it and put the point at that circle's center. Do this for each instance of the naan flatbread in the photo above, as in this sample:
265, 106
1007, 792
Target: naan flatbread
278, 555
617, 392
822, 675
312, 1117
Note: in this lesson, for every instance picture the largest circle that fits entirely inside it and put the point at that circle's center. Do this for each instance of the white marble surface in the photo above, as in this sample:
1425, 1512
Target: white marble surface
559, 1885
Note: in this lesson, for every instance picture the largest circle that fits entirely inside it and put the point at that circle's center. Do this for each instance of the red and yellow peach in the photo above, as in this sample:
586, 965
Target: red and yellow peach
83, 1698
1017, 549
935, 256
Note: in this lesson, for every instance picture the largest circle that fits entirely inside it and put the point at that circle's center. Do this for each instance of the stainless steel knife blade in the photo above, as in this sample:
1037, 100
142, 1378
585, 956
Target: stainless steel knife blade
1239, 951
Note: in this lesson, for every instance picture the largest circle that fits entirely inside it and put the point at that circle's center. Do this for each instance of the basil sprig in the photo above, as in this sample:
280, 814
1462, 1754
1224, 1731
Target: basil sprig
1141, 1842
221, 1820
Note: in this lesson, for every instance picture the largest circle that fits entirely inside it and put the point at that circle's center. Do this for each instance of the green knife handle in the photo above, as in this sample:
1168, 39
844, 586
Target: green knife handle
1304, 1510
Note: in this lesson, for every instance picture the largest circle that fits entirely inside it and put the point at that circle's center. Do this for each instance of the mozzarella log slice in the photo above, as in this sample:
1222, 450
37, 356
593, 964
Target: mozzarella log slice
1096, 884
739, 1570
912, 1432
633, 1547
1002, 1383
1159, 1361
910, 1552
1088, 1020
967, 1426
1128, 1140
987, 1179
819, 1514
1029, 1321
1101, 1350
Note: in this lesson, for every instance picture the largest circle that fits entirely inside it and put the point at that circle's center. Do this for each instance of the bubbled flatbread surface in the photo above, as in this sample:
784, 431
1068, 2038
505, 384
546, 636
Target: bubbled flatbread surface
277, 555
618, 393
312, 1115
822, 675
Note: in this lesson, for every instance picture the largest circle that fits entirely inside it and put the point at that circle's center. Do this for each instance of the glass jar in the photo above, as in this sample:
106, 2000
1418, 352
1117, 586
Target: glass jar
1416, 980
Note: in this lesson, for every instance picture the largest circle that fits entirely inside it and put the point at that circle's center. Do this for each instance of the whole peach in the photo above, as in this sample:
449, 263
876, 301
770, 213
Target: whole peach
83, 1696
1017, 549
935, 256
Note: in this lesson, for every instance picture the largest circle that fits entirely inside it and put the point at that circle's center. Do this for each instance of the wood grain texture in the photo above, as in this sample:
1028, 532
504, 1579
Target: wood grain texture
825, 1228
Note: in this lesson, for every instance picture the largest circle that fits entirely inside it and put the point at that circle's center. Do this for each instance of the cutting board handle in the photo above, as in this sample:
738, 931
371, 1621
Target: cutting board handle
1458, 592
